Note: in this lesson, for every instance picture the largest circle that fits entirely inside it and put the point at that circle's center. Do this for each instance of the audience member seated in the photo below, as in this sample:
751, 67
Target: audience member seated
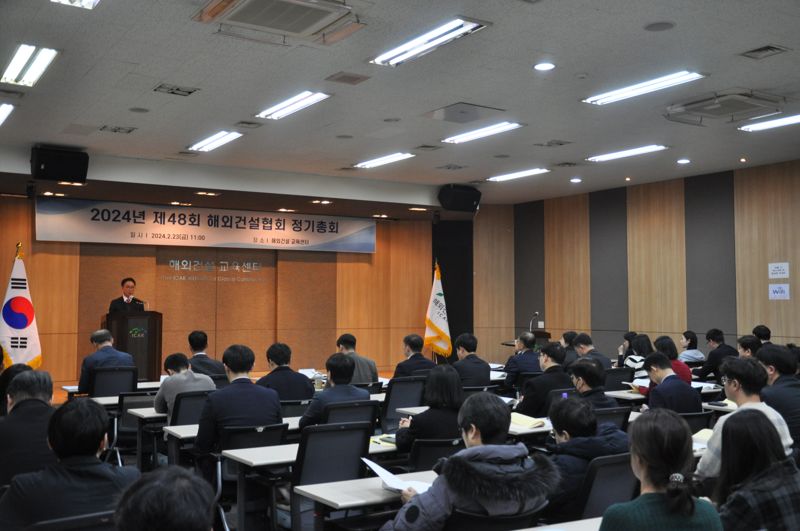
588, 378
568, 343
719, 351
105, 355
166, 499
181, 379
5, 378
534, 395
762, 333
758, 487
625, 349
412, 350
488, 477
689, 345
585, 349
23, 433
525, 360
366, 371
795, 351
340, 369
473, 370
669, 391
443, 396
783, 389
666, 346
661, 458
79, 483
743, 379
200, 361
578, 440
748, 346
289, 385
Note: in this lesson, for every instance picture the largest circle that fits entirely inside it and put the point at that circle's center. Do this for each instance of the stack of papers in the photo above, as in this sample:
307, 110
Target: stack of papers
311, 373
496, 366
525, 421
394, 483
700, 439
704, 385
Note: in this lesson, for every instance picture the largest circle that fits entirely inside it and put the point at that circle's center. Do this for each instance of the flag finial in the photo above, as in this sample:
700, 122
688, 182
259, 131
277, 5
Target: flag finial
19, 250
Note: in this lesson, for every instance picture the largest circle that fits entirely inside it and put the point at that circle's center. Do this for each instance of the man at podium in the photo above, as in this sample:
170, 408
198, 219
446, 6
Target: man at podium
127, 303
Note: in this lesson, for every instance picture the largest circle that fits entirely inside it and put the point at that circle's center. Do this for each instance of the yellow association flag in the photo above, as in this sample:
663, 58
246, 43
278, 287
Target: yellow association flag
19, 336
437, 331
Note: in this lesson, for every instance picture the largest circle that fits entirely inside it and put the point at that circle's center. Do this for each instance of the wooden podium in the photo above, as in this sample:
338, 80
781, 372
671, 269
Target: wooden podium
138, 334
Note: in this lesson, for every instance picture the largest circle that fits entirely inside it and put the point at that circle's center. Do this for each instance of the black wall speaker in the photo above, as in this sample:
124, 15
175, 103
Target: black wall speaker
54, 164
459, 197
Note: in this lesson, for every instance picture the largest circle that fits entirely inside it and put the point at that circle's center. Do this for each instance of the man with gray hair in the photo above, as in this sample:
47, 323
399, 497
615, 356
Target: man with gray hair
23, 433
105, 355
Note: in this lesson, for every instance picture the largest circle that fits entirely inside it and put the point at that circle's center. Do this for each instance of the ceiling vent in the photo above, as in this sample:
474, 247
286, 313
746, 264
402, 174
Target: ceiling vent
118, 129
348, 78
248, 125
765, 51
733, 105
427, 147
553, 143
175, 90
565, 164
295, 18
450, 167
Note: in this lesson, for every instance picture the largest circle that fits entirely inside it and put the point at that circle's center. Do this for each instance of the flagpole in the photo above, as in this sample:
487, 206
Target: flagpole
19, 254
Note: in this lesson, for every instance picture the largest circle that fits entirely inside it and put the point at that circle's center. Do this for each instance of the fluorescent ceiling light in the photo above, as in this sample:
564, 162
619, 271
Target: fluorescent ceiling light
286, 210
26, 67
292, 105
86, 4
627, 153
517, 175
771, 124
495, 129
5, 110
380, 161
70, 183
428, 42
683, 161
418, 209
576, 180
215, 141
544, 67
678, 78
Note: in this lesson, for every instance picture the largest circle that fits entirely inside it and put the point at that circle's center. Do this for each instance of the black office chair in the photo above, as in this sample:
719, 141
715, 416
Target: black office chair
608, 480
124, 425
466, 521
617, 416
402, 392
522, 379
294, 408
111, 381
426, 452
475, 389
86, 522
698, 421
421, 372
357, 411
615, 377
374, 388
220, 380
187, 407
559, 394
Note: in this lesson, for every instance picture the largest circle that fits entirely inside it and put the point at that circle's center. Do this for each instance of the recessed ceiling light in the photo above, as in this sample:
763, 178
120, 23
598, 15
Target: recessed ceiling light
70, 183
418, 209
428, 42
5, 111
380, 161
627, 179
26, 68
683, 161
321, 202
86, 4
742, 159
286, 210
678, 78
176, 203
627, 153
292, 105
576, 180
59, 194
208, 194
48, 194
517, 175
490, 130
544, 67
384, 216
215, 141
771, 124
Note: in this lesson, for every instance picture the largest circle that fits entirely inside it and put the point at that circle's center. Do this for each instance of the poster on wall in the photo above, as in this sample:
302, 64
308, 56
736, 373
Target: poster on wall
80, 220
779, 292
779, 270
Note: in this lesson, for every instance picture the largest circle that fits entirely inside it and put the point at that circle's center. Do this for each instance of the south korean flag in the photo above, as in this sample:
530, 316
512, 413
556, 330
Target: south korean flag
19, 336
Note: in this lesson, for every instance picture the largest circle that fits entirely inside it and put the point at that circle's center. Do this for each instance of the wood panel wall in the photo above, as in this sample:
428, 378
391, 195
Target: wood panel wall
567, 283
657, 259
493, 284
767, 230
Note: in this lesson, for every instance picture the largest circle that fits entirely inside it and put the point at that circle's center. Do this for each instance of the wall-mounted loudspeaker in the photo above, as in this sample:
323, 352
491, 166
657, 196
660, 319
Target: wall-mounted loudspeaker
459, 197
54, 164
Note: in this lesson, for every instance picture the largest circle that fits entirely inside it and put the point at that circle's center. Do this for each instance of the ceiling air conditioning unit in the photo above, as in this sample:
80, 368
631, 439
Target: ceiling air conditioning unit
295, 18
732, 106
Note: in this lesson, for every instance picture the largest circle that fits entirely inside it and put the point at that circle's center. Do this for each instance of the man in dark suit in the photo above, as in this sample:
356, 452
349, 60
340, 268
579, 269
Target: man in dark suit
783, 389
474, 371
588, 377
23, 433
763, 333
670, 392
200, 362
289, 385
340, 369
412, 348
105, 355
525, 360
79, 483
719, 351
127, 303
534, 403
242, 403
585, 349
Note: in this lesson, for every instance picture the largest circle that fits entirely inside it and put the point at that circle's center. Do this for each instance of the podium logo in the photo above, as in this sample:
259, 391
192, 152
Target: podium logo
137, 332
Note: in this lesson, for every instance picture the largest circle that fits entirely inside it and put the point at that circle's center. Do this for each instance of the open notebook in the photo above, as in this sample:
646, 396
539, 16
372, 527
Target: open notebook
394, 483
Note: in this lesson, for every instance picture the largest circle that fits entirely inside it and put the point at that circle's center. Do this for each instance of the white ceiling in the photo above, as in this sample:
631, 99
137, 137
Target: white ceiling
113, 56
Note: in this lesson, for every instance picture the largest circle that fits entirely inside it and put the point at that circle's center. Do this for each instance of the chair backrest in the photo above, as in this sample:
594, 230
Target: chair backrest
111, 381
187, 407
402, 392
523, 377
139, 399
373, 388
465, 521
475, 389
357, 411
426, 452
609, 479
90, 522
698, 421
617, 416
421, 372
559, 394
237, 437
220, 380
615, 377
294, 408
331, 452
